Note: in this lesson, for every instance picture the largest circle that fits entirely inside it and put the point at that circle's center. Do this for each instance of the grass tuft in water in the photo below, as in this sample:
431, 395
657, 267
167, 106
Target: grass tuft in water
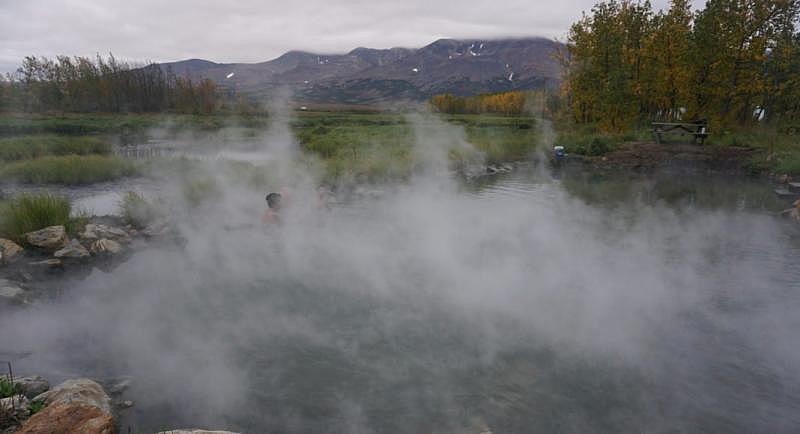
35, 146
137, 211
68, 170
27, 213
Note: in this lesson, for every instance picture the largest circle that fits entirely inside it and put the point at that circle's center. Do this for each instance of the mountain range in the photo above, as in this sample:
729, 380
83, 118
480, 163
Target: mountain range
368, 75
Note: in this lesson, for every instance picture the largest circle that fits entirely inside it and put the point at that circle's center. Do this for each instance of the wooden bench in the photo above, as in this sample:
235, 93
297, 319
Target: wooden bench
699, 130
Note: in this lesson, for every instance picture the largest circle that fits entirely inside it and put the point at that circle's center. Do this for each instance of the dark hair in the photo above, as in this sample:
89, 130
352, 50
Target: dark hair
274, 200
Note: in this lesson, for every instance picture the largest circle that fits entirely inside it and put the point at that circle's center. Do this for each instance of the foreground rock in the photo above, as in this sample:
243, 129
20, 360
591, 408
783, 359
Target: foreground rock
50, 238
15, 407
12, 294
73, 250
105, 246
78, 406
9, 251
97, 231
157, 230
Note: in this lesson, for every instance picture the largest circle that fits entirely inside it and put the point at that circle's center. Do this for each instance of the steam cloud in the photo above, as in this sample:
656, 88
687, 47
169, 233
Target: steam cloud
435, 309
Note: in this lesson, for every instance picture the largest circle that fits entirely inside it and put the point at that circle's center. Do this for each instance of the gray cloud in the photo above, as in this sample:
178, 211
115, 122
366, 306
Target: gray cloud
252, 31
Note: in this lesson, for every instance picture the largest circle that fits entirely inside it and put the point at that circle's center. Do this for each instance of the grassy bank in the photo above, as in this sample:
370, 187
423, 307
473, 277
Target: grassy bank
34, 146
380, 146
26, 213
12, 124
69, 170
369, 146
774, 149
59, 158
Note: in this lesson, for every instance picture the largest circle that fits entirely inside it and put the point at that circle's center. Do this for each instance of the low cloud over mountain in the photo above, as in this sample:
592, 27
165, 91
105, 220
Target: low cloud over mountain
366, 75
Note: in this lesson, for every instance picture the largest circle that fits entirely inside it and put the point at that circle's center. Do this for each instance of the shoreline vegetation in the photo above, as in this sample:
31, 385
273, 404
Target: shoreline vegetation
733, 65
50, 148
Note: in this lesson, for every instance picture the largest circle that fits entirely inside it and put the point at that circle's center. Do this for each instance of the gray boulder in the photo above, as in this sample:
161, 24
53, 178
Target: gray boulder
125, 404
158, 229
72, 407
72, 250
31, 386
50, 238
18, 405
119, 386
78, 391
97, 231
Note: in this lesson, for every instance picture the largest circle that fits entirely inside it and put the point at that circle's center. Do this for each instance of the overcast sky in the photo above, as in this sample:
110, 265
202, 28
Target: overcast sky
251, 30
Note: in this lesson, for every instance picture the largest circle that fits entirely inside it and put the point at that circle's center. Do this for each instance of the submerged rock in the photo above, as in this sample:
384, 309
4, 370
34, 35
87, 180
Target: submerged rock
156, 230
72, 407
31, 386
105, 246
98, 231
13, 294
118, 387
498, 168
50, 238
47, 264
9, 250
72, 250
125, 404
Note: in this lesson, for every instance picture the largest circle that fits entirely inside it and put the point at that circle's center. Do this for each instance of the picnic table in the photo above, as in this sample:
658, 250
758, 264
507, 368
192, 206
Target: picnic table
698, 130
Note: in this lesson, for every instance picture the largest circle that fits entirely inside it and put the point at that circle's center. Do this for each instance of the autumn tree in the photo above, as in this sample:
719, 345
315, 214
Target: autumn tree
668, 61
735, 62
505, 103
81, 84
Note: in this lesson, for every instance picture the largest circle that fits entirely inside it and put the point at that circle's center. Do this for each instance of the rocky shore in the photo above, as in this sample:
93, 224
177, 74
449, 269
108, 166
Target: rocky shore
35, 269
76, 406
31, 271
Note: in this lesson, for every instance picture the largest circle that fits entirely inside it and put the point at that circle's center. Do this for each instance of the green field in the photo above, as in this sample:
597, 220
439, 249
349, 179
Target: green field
75, 148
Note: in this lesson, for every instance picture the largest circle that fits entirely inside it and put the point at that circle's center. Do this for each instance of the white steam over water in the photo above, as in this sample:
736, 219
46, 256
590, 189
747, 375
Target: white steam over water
432, 309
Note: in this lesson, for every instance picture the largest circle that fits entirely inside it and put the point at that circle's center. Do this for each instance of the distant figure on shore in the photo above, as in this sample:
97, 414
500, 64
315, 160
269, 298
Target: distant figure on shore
273, 211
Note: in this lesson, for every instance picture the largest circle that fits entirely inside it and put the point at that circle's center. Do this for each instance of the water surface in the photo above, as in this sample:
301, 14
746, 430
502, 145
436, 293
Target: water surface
523, 303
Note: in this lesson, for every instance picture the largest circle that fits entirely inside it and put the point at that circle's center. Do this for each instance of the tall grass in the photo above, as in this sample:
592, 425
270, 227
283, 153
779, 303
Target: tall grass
588, 140
137, 211
27, 147
379, 147
789, 165
69, 170
31, 212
